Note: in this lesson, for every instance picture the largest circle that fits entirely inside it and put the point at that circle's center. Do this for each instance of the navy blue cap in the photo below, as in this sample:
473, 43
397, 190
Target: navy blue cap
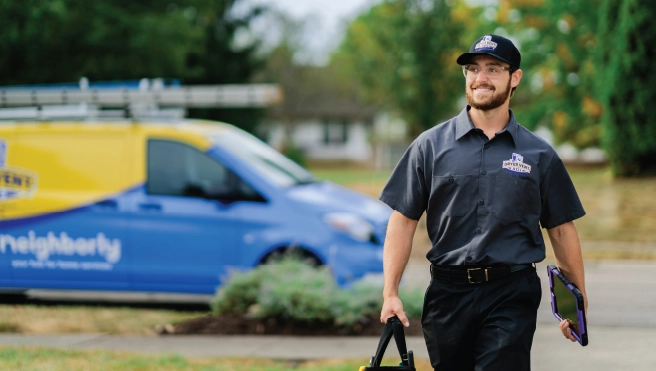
496, 46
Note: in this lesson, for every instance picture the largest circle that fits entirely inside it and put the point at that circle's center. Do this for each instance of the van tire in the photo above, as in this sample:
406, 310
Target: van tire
305, 256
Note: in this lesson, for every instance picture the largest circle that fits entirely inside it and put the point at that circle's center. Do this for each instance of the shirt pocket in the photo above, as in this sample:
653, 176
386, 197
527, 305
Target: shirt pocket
510, 197
453, 195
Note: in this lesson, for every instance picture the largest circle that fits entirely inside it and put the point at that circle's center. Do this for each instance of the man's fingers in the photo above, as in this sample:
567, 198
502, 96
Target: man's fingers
566, 331
403, 319
393, 307
387, 314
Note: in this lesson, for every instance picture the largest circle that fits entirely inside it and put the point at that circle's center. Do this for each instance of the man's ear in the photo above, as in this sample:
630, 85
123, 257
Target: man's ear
515, 78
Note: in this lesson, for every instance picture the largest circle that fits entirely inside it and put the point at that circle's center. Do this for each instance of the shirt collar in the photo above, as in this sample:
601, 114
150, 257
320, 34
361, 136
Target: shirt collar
464, 125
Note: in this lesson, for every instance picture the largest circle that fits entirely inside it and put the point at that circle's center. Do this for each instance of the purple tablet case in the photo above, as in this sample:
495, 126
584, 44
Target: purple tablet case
580, 333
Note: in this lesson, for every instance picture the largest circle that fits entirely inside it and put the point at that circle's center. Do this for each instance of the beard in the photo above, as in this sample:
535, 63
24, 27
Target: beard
496, 101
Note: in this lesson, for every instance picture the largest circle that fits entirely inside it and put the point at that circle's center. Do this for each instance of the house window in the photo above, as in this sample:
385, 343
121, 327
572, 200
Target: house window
335, 131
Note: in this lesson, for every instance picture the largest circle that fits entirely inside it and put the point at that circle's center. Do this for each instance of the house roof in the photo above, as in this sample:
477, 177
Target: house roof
313, 92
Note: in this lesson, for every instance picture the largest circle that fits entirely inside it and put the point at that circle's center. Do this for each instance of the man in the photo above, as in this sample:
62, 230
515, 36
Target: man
486, 184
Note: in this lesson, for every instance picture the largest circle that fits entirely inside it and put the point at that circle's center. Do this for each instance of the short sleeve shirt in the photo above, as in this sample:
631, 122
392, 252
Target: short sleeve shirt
485, 200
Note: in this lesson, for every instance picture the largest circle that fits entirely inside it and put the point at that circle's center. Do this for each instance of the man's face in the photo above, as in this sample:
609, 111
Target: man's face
488, 92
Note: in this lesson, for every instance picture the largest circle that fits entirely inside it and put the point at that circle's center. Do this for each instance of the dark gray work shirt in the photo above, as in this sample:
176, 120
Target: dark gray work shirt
484, 199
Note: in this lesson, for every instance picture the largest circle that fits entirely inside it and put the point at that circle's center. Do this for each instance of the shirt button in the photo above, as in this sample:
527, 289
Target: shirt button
484, 172
478, 231
450, 180
469, 258
481, 202
486, 146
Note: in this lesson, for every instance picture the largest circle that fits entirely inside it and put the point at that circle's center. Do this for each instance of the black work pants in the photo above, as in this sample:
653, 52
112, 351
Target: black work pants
482, 327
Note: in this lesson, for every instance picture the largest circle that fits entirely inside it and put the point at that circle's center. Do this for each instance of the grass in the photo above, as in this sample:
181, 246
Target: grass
46, 319
618, 209
36, 358
365, 181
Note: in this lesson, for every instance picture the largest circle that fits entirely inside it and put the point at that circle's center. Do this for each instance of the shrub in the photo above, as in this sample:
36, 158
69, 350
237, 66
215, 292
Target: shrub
294, 153
292, 290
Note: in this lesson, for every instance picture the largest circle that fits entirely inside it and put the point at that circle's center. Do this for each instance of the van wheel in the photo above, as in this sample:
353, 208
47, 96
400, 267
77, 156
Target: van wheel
292, 253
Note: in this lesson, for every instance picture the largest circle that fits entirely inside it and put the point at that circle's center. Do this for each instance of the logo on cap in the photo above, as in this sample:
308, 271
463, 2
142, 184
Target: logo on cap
486, 44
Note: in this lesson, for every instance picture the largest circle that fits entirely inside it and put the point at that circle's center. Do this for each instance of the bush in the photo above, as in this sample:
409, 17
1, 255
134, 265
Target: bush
294, 153
292, 290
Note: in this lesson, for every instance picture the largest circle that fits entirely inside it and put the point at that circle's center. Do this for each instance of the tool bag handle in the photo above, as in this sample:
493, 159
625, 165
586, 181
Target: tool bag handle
393, 327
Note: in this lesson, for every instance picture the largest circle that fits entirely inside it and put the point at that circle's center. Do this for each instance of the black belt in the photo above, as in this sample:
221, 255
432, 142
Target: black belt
474, 274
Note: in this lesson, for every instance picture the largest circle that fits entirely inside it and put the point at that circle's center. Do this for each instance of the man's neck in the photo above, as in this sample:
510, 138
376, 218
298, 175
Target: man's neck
492, 121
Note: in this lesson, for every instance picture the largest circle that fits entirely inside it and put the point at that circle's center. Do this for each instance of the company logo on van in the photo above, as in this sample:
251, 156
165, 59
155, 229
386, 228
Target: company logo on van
61, 251
15, 182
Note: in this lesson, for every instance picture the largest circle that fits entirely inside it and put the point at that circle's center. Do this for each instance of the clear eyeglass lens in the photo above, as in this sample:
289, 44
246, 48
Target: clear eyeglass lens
488, 71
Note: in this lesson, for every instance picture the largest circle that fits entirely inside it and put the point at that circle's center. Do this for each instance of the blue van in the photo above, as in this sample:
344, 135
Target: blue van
167, 207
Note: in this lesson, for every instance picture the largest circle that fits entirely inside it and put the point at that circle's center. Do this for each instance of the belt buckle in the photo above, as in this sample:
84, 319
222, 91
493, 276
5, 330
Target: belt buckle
469, 277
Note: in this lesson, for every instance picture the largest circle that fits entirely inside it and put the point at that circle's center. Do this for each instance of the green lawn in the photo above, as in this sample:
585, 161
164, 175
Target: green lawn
51, 319
617, 209
33, 358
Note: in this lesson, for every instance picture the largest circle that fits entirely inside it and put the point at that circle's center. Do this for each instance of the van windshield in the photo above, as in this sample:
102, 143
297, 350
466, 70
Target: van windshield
269, 162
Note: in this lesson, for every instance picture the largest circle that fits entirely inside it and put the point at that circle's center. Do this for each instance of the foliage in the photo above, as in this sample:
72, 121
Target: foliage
294, 153
297, 291
222, 61
45, 41
585, 73
402, 52
624, 85
55, 41
557, 41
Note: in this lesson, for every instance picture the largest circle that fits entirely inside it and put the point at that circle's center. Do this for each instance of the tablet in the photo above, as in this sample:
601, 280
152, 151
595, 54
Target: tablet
567, 303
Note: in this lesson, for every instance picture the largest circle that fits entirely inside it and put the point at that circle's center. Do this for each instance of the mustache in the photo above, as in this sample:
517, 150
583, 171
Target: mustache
483, 85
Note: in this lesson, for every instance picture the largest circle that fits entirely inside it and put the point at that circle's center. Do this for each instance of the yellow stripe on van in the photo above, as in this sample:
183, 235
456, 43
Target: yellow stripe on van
78, 164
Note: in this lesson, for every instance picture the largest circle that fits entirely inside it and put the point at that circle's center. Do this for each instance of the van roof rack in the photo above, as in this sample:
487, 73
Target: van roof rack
85, 111
148, 98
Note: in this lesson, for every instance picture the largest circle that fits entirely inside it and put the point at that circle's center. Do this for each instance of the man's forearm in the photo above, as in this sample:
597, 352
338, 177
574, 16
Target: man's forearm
567, 251
398, 245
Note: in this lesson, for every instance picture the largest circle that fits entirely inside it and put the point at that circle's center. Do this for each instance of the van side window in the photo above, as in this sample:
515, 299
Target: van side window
177, 169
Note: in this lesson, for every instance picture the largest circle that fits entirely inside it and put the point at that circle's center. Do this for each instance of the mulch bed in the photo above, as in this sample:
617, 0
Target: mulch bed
239, 325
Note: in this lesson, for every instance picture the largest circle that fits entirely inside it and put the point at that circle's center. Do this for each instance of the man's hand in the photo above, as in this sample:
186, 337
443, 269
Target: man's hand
393, 307
566, 330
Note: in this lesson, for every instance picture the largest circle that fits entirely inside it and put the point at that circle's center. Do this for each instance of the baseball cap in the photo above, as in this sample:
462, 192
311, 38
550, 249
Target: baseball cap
497, 46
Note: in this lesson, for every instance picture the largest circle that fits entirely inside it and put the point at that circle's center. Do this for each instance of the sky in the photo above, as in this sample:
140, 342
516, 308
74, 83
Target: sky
323, 25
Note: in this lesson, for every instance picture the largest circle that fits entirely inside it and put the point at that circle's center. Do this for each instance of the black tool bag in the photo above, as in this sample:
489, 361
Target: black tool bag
392, 328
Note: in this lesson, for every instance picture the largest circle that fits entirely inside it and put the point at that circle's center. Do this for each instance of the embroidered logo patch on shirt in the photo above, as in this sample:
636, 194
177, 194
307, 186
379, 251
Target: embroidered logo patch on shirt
516, 164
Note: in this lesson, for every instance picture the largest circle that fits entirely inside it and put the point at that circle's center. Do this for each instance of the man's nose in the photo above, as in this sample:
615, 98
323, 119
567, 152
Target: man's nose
482, 76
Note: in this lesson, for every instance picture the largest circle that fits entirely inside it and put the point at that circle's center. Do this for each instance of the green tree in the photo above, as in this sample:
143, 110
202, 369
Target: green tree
54, 41
402, 53
625, 51
557, 39
221, 61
